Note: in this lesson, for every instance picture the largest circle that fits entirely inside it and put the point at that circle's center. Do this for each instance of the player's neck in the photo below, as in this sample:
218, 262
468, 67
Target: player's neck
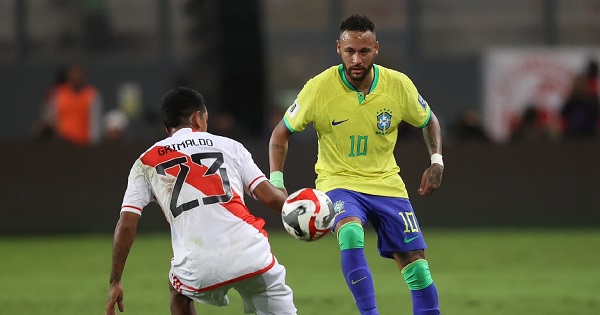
363, 85
171, 131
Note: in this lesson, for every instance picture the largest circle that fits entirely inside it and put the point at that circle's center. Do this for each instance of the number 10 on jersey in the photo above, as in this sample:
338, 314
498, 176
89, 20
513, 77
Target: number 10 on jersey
358, 143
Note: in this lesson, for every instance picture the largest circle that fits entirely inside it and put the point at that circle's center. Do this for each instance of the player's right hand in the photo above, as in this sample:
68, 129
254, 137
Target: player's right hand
115, 295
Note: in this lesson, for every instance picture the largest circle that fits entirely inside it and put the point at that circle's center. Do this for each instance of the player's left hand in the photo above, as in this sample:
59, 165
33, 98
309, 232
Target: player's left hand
431, 180
115, 295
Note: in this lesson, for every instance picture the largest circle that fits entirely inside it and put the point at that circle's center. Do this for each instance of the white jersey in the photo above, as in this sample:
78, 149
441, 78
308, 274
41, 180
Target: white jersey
199, 180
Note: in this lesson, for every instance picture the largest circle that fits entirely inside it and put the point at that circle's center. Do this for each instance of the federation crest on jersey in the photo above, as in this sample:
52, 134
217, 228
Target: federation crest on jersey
384, 121
293, 110
422, 102
338, 207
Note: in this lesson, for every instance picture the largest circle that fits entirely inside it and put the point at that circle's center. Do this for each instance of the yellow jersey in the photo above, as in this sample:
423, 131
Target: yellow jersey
357, 132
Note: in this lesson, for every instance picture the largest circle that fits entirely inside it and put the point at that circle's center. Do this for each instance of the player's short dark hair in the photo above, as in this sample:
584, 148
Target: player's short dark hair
180, 104
359, 23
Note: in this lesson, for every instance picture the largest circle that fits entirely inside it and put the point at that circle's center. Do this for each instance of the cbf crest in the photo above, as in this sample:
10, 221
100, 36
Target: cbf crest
338, 207
384, 121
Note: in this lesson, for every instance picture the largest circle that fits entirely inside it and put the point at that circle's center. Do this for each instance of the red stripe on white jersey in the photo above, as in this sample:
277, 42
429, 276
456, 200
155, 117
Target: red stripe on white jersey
211, 185
177, 284
254, 181
132, 207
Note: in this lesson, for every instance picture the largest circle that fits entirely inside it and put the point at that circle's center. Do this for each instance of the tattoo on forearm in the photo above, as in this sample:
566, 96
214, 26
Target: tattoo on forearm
432, 142
279, 150
276, 146
432, 136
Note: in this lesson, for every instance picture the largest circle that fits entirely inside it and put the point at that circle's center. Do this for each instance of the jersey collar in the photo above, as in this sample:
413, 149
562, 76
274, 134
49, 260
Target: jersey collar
184, 131
361, 95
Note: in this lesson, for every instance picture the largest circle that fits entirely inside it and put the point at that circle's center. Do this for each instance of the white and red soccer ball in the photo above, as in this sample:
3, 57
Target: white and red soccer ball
307, 214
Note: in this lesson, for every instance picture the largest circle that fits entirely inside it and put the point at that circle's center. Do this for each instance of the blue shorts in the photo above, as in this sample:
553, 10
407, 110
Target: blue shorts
392, 218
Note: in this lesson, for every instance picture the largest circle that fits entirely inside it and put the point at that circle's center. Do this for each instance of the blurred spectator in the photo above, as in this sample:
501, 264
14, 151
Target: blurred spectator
43, 128
531, 126
75, 109
115, 125
581, 111
129, 99
470, 127
593, 81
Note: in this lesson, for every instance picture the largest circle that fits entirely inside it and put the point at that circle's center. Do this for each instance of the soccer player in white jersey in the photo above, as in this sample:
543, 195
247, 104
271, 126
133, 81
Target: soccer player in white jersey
356, 108
199, 180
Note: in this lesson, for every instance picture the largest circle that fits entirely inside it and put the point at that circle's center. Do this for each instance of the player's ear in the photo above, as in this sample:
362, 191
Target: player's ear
195, 121
201, 120
167, 130
376, 48
338, 47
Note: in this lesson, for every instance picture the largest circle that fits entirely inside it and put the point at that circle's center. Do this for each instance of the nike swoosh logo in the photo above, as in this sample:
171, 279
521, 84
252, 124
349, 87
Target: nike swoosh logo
335, 123
357, 281
408, 240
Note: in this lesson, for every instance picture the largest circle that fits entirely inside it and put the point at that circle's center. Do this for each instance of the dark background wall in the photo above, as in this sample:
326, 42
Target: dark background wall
254, 71
249, 58
56, 188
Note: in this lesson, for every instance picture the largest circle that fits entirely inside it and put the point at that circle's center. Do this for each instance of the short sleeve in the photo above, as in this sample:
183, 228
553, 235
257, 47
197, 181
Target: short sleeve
138, 193
251, 174
301, 112
415, 110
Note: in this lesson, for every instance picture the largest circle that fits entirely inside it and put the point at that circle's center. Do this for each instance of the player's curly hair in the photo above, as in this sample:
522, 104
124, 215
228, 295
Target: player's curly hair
356, 22
179, 104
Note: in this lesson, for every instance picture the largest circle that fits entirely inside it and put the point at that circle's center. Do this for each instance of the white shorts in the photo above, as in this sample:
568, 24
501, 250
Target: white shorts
264, 294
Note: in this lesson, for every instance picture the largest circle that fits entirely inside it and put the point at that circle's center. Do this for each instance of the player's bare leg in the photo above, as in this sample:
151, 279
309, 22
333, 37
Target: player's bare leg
356, 271
181, 304
415, 271
405, 258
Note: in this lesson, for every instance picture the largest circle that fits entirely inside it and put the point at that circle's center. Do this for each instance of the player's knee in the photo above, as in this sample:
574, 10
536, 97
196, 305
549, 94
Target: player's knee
351, 235
417, 275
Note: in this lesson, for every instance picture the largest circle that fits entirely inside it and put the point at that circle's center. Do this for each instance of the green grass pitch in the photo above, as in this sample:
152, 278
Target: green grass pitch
477, 272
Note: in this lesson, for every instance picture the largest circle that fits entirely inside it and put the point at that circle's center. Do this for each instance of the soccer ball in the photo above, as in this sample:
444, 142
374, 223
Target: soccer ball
307, 214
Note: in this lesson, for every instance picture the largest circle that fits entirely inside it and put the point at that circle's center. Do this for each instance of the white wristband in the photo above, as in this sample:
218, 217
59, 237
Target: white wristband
437, 159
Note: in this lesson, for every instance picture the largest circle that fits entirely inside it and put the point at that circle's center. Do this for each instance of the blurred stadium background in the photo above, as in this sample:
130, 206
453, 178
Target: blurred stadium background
479, 63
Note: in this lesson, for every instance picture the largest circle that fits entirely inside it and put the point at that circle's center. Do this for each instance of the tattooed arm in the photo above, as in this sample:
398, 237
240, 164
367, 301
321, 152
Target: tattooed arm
432, 177
278, 147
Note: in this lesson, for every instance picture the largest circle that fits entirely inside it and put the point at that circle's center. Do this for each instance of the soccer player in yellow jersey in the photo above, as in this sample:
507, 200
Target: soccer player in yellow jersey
356, 108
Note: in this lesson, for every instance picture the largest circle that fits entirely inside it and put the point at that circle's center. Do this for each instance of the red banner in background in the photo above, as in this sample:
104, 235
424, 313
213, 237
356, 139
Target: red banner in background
517, 81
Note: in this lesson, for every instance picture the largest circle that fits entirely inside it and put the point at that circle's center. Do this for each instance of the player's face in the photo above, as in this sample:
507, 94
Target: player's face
358, 51
76, 75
